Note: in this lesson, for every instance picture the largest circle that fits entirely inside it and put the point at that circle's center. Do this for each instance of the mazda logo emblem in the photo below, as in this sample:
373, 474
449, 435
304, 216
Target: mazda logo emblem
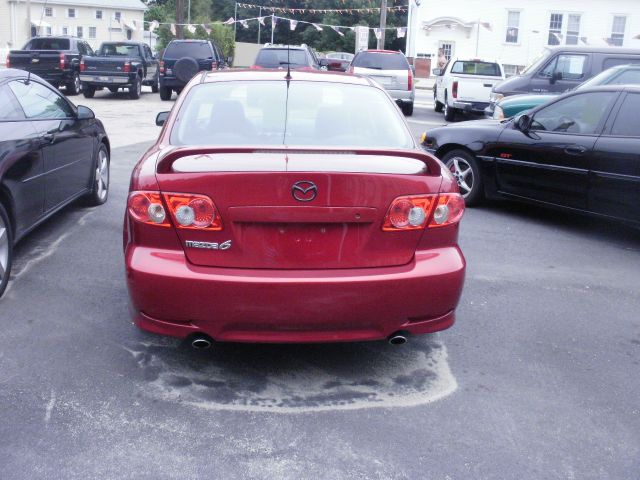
304, 191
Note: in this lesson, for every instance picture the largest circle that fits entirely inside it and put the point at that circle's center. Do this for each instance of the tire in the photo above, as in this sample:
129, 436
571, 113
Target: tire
407, 109
113, 89
437, 106
6, 249
75, 86
464, 167
136, 89
100, 190
156, 84
449, 112
186, 68
88, 91
165, 93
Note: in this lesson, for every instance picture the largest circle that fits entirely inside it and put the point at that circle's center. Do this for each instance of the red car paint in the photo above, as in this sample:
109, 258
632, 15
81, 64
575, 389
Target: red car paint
295, 271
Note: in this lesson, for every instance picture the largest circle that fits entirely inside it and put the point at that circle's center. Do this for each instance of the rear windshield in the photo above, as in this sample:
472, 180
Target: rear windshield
48, 44
275, 58
476, 68
197, 50
305, 114
119, 50
614, 76
381, 61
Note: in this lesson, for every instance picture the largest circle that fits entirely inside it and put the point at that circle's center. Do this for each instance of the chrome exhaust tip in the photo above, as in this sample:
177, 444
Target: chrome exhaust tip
397, 339
201, 343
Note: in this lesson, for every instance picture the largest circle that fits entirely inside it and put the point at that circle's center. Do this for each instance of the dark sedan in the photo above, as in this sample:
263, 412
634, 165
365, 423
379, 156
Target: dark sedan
580, 152
51, 153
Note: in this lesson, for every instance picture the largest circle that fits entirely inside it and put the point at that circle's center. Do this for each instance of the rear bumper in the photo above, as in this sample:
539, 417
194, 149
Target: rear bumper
169, 296
57, 79
471, 107
402, 96
106, 80
171, 82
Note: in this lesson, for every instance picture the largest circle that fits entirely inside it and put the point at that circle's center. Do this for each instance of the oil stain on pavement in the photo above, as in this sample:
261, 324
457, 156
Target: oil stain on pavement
295, 378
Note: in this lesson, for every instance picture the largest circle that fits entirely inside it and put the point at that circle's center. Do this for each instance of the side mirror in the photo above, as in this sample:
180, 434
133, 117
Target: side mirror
85, 113
523, 123
161, 118
436, 72
555, 77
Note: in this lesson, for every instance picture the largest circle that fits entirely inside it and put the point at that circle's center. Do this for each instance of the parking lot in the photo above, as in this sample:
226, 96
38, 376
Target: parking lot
538, 378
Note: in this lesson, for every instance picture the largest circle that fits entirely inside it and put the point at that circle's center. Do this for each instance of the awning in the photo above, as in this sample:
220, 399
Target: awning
36, 22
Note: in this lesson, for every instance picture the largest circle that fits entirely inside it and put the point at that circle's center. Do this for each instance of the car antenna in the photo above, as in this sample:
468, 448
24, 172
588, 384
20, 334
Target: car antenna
28, 78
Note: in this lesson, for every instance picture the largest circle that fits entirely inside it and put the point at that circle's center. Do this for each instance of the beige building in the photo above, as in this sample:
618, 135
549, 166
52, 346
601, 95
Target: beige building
94, 20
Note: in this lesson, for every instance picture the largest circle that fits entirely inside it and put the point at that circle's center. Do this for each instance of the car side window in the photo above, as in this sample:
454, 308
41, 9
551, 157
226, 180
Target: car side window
10, 107
626, 123
87, 49
570, 67
40, 102
578, 114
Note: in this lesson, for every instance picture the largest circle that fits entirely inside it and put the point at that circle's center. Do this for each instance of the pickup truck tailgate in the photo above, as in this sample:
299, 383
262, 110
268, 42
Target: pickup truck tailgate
474, 88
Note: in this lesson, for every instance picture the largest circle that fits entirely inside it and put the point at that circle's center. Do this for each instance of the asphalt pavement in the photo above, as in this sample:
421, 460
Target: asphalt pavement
538, 378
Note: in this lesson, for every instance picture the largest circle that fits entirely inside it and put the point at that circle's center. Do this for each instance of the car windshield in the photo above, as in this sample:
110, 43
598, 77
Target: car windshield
280, 57
197, 50
539, 60
476, 68
614, 76
307, 113
119, 50
48, 44
381, 61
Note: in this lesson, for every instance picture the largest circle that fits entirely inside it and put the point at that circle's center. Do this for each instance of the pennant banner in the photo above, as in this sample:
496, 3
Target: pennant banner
378, 33
337, 30
401, 31
293, 24
342, 11
191, 28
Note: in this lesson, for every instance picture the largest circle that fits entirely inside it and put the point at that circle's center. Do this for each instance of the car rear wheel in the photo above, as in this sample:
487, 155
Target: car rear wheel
165, 93
437, 106
6, 249
156, 84
464, 167
100, 190
88, 91
75, 86
407, 109
449, 112
136, 89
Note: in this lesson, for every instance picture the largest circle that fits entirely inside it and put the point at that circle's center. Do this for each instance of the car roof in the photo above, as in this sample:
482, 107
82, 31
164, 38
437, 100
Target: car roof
586, 49
273, 75
610, 88
380, 51
7, 73
283, 47
189, 41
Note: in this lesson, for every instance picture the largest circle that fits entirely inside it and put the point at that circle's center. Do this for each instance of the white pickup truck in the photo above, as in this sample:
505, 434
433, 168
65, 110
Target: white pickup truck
465, 85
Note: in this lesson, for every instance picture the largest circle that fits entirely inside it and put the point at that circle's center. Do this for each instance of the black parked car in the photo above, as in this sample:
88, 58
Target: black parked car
51, 153
55, 59
182, 59
120, 65
580, 152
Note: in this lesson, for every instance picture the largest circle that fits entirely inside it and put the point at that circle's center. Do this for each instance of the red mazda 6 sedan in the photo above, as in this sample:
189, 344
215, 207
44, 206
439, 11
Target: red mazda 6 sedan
290, 208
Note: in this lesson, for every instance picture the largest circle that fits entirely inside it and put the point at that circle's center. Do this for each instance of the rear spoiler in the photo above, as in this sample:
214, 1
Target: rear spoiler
167, 158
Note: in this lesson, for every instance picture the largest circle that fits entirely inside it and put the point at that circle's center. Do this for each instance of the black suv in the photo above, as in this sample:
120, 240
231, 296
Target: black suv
296, 56
182, 59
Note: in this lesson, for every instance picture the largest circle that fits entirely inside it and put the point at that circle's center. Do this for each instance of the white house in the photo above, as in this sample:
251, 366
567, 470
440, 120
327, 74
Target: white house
95, 20
514, 32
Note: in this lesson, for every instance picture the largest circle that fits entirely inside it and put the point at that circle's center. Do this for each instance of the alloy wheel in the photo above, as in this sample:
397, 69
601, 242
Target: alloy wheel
4, 249
463, 173
102, 175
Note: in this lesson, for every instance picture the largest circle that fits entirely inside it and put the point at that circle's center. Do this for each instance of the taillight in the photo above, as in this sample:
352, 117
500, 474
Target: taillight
127, 67
409, 213
255, 67
214, 65
82, 65
454, 89
192, 211
162, 66
410, 79
146, 207
62, 61
448, 211
8, 62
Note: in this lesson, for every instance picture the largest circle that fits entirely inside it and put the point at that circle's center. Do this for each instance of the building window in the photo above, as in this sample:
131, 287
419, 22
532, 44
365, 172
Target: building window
555, 29
445, 49
511, 70
71, 13
129, 33
65, 30
48, 31
98, 14
513, 26
573, 29
92, 32
79, 30
48, 12
617, 30
117, 16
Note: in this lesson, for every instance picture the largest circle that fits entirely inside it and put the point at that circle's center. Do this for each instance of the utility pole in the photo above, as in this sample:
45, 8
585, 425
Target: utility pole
383, 24
180, 18
259, 24
189, 13
29, 20
273, 26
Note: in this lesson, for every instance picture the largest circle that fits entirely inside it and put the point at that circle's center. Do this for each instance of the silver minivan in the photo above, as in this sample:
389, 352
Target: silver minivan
391, 70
